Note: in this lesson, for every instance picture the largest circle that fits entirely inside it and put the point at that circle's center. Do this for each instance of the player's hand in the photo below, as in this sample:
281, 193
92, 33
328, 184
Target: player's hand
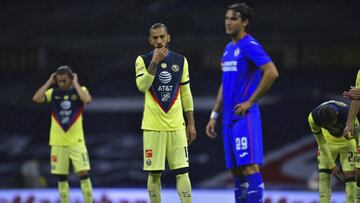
191, 133
242, 108
337, 173
75, 78
353, 93
159, 54
210, 128
52, 79
348, 131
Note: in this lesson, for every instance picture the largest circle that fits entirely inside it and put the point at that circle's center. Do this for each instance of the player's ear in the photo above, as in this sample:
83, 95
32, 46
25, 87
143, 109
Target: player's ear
168, 38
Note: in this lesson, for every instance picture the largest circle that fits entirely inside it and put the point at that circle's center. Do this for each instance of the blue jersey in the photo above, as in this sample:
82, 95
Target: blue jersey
241, 74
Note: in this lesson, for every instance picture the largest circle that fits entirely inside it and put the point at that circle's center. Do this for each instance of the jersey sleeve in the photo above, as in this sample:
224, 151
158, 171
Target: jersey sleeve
255, 52
85, 89
143, 78
48, 95
185, 92
317, 132
357, 83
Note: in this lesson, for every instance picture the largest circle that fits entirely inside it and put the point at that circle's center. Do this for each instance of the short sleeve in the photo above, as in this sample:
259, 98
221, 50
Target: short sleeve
255, 52
48, 95
185, 79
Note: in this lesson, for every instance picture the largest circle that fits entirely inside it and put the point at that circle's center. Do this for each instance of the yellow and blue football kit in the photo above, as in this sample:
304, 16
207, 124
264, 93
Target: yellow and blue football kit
66, 132
333, 146
167, 95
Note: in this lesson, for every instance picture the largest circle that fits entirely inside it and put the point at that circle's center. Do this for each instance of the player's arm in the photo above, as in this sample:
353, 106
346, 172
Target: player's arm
145, 77
257, 55
353, 111
187, 103
317, 132
39, 96
210, 127
84, 95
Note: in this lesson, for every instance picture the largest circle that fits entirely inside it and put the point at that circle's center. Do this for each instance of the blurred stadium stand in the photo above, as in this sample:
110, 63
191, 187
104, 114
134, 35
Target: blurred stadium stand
315, 45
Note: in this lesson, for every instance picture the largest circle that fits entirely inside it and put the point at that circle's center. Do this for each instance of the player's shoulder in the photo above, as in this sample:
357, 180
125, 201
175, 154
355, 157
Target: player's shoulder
147, 55
249, 41
177, 55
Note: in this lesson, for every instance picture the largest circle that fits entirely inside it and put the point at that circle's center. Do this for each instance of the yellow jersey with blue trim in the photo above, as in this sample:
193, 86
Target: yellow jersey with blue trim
66, 117
163, 107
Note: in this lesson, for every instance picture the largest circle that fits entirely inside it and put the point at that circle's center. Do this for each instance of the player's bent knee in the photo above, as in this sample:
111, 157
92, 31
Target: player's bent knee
349, 174
83, 174
62, 178
180, 171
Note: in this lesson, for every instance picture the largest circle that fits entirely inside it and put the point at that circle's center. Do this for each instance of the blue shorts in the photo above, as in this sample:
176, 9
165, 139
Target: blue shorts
243, 141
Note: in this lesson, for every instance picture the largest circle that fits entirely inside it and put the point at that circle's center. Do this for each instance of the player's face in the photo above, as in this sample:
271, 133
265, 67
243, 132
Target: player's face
63, 81
233, 23
159, 37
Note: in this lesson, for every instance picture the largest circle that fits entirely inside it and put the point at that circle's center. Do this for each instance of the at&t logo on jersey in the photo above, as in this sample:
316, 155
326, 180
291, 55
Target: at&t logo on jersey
165, 77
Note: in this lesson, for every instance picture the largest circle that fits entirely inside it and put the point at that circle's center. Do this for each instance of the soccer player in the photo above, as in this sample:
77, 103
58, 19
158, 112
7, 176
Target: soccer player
67, 141
327, 122
350, 131
163, 76
248, 73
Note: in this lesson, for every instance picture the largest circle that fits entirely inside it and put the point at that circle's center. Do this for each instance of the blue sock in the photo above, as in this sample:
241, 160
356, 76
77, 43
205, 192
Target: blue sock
240, 189
256, 188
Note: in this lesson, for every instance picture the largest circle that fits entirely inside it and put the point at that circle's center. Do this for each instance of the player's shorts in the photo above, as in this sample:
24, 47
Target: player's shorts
345, 152
243, 141
162, 145
62, 155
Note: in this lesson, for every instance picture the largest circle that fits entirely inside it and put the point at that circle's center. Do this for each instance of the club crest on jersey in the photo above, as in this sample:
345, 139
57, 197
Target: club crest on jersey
163, 65
74, 97
237, 52
165, 77
175, 68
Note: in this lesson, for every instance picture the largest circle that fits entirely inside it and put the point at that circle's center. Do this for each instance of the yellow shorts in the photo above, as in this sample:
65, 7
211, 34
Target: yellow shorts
61, 156
345, 153
165, 145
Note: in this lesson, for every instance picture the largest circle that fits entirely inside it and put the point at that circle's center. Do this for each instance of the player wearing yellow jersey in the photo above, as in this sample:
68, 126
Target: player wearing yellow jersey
67, 141
327, 122
350, 131
163, 76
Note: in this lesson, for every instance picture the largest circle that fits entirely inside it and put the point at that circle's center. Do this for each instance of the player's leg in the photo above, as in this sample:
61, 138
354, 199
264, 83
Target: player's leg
178, 160
325, 189
248, 148
80, 160
154, 186
357, 174
347, 158
154, 144
60, 167
240, 184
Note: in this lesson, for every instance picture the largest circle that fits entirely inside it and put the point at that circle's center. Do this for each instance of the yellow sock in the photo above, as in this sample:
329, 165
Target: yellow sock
63, 187
154, 187
86, 189
183, 187
325, 187
357, 190
350, 191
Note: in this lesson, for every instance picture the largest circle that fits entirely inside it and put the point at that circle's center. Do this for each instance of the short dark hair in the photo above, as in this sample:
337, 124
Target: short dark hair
244, 10
64, 70
327, 114
158, 25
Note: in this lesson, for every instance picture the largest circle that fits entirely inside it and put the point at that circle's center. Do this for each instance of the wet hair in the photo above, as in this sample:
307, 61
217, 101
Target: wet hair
327, 114
158, 25
243, 9
64, 70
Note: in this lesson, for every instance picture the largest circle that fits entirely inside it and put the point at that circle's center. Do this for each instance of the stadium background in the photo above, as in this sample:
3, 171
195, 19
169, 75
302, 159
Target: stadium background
315, 45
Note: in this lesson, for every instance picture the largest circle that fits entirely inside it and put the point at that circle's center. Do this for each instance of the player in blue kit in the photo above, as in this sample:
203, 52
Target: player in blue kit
248, 73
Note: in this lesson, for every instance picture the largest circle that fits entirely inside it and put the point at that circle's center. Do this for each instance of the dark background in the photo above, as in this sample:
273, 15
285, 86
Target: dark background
314, 44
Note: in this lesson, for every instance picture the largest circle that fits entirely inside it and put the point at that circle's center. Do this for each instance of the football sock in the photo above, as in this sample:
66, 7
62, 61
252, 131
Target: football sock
183, 187
154, 186
256, 188
63, 187
240, 189
325, 187
86, 189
